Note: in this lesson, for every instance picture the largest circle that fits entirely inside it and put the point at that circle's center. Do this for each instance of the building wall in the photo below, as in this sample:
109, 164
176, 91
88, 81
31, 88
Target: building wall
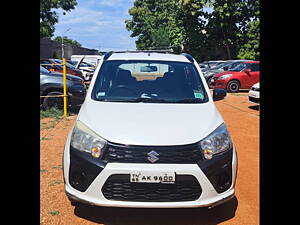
52, 49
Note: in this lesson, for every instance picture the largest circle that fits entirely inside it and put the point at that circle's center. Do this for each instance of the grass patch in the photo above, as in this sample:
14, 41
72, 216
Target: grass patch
45, 139
54, 114
54, 182
43, 170
54, 213
51, 113
57, 167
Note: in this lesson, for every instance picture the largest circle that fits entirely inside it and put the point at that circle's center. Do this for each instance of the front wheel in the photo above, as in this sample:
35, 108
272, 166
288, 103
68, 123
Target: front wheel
56, 102
233, 86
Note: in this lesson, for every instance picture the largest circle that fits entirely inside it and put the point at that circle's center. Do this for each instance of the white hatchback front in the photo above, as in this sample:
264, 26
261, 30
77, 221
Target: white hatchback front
254, 93
149, 135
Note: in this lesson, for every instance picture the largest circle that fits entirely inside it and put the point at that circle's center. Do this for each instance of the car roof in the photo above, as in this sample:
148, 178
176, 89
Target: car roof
148, 56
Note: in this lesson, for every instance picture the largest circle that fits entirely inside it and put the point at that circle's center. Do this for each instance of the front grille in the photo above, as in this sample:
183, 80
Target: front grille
181, 154
118, 187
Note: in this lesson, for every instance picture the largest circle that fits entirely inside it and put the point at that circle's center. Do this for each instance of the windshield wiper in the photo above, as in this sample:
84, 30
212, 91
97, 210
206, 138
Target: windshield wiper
140, 99
155, 100
189, 100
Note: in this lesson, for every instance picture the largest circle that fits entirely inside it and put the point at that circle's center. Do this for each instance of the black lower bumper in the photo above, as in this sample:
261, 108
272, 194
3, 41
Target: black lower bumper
255, 100
84, 169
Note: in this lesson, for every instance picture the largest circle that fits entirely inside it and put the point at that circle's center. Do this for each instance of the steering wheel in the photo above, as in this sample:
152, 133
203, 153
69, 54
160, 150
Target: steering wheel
124, 88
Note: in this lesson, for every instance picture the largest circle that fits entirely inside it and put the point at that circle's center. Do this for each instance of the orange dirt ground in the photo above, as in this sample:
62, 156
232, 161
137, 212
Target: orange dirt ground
242, 119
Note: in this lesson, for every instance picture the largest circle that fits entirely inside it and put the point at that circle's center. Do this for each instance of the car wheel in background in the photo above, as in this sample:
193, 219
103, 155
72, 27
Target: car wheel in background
56, 102
210, 83
233, 86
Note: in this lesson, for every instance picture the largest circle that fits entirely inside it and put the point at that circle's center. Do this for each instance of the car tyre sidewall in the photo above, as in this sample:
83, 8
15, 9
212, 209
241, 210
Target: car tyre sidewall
233, 86
210, 84
53, 102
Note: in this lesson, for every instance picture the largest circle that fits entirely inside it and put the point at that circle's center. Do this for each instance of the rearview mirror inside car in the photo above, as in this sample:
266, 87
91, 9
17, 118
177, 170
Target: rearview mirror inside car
219, 94
148, 69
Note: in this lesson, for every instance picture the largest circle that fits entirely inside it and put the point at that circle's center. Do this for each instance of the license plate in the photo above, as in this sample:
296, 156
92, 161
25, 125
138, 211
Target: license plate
152, 177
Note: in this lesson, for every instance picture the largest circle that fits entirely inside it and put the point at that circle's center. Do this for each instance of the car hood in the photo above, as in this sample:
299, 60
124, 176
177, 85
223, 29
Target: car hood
211, 72
225, 72
150, 124
256, 85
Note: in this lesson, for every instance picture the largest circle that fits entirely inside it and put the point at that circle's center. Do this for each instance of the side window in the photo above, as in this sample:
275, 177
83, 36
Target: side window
254, 67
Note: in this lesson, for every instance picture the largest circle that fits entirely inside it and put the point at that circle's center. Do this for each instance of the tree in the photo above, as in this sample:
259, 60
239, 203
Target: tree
48, 17
184, 25
155, 23
166, 22
67, 41
228, 24
250, 50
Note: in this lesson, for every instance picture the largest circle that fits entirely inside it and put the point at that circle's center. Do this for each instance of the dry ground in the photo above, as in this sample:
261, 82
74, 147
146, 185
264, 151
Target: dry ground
242, 119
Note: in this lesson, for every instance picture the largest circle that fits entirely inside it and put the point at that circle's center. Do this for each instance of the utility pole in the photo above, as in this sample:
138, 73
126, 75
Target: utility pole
62, 43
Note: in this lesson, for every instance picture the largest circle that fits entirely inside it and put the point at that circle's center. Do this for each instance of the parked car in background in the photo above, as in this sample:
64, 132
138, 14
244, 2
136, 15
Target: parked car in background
254, 93
58, 68
87, 69
51, 84
71, 67
91, 59
243, 76
207, 65
220, 68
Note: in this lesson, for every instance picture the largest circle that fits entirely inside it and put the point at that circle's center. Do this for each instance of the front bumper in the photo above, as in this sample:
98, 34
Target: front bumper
93, 195
77, 94
253, 96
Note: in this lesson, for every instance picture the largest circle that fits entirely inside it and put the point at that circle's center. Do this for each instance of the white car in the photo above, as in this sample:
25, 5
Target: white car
254, 93
149, 135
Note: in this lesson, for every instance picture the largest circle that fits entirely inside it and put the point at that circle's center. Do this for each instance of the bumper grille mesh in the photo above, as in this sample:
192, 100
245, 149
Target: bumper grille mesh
118, 187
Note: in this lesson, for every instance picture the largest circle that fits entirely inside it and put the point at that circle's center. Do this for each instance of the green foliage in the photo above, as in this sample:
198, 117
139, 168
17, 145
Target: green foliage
67, 41
184, 25
51, 113
155, 23
250, 50
48, 17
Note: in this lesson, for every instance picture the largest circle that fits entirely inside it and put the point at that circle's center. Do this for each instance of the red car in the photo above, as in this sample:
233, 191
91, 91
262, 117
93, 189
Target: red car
243, 76
58, 68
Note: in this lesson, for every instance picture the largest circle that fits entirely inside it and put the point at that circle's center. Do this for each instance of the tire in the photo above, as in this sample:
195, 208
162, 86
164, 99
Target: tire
56, 102
210, 85
233, 86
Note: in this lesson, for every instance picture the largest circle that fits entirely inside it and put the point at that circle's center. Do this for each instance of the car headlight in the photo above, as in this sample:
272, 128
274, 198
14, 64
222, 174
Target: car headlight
85, 140
225, 76
218, 141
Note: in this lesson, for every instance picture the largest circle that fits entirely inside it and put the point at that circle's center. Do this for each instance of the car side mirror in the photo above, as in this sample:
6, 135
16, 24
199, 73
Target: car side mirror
219, 94
247, 71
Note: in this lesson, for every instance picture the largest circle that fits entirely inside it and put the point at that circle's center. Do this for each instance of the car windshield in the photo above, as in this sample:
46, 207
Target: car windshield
220, 65
43, 70
239, 67
85, 64
149, 81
